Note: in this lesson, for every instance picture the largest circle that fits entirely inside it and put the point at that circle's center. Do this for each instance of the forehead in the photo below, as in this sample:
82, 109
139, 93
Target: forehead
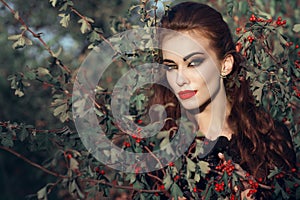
184, 43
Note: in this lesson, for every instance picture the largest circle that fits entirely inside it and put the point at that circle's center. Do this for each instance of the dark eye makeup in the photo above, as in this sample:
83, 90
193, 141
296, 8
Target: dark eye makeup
170, 65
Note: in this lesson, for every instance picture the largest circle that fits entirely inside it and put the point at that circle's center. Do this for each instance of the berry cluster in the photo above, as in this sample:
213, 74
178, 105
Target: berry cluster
227, 167
253, 185
296, 90
126, 144
250, 38
219, 187
253, 18
238, 30
279, 21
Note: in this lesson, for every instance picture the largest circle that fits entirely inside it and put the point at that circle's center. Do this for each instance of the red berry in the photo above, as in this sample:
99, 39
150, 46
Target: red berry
69, 156
177, 177
294, 170
137, 170
250, 182
297, 46
171, 164
195, 189
296, 185
161, 187
139, 121
156, 194
102, 172
238, 47
259, 179
279, 18
284, 119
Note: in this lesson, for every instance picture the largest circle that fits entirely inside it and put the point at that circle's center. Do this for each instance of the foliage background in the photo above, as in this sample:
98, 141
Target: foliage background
17, 178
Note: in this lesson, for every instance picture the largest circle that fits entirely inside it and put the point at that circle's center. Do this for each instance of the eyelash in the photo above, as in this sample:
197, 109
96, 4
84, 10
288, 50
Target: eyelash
197, 61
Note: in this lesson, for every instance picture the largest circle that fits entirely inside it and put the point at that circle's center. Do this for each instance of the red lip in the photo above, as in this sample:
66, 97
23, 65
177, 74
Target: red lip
186, 94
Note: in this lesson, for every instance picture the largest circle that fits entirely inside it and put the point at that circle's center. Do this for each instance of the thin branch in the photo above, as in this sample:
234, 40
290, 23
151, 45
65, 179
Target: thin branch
120, 186
151, 153
6, 125
56, 174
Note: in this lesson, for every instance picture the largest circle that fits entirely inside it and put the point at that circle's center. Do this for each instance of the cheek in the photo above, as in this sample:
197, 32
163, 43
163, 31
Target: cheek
171, 78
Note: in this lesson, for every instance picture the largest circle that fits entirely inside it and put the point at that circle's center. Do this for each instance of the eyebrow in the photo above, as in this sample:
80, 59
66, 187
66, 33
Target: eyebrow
185, 58
190, 55
167, 60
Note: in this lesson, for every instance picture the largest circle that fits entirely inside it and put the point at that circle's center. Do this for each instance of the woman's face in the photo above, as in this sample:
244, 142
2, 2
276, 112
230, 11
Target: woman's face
193, 68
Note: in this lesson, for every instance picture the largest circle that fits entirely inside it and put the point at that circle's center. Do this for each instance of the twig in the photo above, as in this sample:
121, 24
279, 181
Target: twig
33, 164
6, 125
155, 177
120, 186
151, 153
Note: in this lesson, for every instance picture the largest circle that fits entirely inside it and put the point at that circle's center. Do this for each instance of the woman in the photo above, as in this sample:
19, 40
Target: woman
202, 67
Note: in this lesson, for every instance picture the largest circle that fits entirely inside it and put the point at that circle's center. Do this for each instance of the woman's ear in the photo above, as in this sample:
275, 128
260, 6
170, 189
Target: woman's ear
227, 65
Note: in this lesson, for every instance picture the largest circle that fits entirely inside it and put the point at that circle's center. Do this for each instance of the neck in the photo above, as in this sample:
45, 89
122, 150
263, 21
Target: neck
212, 119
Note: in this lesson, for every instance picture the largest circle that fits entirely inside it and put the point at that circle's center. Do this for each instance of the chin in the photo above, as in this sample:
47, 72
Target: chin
190, 104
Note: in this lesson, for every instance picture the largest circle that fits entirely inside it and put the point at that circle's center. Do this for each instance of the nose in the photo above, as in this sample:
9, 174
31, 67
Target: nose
181, 78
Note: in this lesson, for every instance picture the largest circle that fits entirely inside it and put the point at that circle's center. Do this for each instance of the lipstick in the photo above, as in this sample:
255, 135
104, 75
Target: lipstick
186, 94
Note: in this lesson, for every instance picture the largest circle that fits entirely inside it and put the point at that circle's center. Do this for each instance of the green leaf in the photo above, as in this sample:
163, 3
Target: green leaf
23, 134
19, 93
60, 109
14, 37
7, 141
273, 172
204, 167
53, 2
85, 26
167, 181
20, 43
296, 28
42, 193
65, 19
74, 164
176, 191
41, 71
30, 75
131, 178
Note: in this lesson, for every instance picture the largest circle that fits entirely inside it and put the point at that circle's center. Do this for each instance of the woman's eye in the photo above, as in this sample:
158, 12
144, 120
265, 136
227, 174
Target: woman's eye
170, 67
195, 62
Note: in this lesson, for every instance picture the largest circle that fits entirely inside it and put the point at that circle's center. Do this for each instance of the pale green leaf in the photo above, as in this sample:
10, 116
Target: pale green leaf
42, 194
53, 2
14, 37
204, 166
85, 26
65, 18
16, 15
296, 28
42, 71
19, 93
